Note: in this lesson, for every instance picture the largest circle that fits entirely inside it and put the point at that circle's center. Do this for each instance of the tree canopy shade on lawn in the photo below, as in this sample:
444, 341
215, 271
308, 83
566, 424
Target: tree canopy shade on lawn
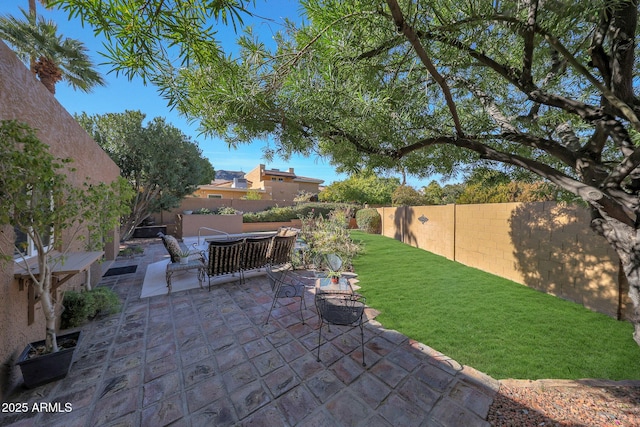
422, 86
161, 164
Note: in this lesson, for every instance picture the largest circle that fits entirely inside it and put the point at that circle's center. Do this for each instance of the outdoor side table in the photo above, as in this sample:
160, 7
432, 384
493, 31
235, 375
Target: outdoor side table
195, 264
325, 285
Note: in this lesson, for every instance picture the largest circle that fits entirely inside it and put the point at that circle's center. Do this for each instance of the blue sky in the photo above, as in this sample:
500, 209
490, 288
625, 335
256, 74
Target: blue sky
121, 94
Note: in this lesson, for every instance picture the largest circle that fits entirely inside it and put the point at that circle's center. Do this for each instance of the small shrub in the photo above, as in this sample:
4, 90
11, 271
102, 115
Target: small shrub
203, 211
105, 301
369, 220
252, 194
77, 308
329, 236
131, 250
82, 306
227, 210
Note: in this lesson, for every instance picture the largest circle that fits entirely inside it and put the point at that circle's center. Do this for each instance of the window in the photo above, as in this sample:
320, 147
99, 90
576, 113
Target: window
25, 244
214, 196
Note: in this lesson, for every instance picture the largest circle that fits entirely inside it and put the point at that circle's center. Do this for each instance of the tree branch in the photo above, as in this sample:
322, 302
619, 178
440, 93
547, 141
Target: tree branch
411, 35
529, 35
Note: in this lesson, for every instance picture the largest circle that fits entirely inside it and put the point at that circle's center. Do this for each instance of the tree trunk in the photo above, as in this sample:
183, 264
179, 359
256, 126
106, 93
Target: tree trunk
48, 73
49, 309
624, 239
631, 269
127, 229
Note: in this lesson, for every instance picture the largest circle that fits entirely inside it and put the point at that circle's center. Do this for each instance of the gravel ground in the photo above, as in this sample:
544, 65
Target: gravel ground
566, 403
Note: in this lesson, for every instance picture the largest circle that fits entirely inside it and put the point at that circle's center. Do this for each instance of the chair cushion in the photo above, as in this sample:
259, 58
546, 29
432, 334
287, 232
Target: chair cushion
173, 247
287, 231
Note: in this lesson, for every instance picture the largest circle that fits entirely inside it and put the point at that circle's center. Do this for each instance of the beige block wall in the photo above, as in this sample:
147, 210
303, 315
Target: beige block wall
189, 225
427, 227
194, 203
545, 246
24, 98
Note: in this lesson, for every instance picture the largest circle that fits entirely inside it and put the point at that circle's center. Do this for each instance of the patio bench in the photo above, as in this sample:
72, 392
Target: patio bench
239, 256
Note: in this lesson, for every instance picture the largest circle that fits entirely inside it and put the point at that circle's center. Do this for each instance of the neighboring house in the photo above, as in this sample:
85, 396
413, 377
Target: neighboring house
24, 98
270, 184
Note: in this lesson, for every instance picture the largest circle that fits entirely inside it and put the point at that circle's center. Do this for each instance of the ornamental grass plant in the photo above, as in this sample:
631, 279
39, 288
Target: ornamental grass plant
495, 325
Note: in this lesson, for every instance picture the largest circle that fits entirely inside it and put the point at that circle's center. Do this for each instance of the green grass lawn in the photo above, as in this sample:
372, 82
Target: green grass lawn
497, 326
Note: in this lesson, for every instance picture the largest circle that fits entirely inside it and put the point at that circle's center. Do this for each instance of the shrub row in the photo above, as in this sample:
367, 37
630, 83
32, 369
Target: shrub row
287, 213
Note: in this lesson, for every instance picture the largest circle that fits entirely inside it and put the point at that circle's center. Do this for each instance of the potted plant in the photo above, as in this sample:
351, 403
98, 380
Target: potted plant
184, 257
39, 201
334, 276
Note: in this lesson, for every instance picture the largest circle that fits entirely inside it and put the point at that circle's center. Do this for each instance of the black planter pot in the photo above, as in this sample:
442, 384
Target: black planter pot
48, 367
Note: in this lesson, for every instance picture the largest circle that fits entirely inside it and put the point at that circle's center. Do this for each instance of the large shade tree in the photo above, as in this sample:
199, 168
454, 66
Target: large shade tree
161, 164
364, 187
427, 85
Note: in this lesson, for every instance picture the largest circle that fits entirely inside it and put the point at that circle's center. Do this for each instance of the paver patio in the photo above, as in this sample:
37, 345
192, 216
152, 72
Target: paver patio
200, 358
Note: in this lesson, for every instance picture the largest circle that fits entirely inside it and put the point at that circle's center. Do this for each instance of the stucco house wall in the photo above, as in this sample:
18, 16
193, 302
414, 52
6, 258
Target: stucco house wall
24, 98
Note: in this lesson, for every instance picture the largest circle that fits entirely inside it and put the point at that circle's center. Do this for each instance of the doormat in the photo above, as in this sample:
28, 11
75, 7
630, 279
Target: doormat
121, 270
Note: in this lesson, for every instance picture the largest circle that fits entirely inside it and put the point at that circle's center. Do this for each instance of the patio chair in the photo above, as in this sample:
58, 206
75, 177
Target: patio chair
343, 310
195, 260
281, 251
225, 257
285, 285
256, 254
175, 247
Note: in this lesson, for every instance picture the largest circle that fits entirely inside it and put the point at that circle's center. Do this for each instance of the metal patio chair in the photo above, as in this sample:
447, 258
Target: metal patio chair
286, 285
281, 251
343, 310
225, 257
256, 254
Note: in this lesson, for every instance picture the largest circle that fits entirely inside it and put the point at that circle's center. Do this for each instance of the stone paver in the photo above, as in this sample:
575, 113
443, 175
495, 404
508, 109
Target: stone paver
204, 358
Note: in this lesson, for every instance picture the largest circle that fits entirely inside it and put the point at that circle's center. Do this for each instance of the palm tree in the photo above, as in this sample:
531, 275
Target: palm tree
56, 58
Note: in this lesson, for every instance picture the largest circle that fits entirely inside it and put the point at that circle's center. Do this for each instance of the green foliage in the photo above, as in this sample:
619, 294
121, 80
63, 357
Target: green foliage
361, 188
287, 213
226, 210
329, 235
140, 33
252, 194
161, 164
304, 197
37, 197
405, 195
79, 307
507, 192
495, 325
433, 194
57, 58
203, 211
369, 220
131, 250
